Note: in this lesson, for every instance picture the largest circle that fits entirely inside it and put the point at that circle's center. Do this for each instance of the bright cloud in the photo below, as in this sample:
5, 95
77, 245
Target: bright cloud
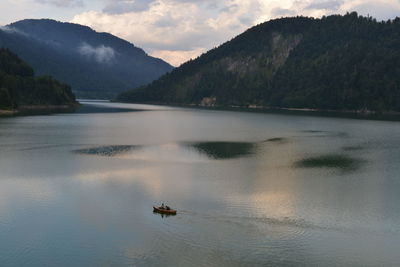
176, 57
10, 30
102, 54
177, 30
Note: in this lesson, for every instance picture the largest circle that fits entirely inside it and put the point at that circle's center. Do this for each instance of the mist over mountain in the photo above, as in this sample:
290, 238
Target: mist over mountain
337, 62
96, 65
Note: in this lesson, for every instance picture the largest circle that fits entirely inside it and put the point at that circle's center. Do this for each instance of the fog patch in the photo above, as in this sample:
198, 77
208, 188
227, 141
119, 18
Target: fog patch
8, 29
101, 54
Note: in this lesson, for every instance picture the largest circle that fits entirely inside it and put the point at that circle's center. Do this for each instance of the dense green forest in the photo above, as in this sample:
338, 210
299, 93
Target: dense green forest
19, 87
337, 62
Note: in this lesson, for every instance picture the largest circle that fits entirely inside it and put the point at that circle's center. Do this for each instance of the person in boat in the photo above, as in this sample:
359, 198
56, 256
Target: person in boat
167, 208
162, 206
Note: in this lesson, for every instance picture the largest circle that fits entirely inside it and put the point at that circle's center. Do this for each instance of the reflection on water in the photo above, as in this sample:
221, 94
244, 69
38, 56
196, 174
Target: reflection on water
317, 133
342, 162
241, 201
108, 151
213, 150
162, 215
354, 147
313, 131
224, 150
276, 140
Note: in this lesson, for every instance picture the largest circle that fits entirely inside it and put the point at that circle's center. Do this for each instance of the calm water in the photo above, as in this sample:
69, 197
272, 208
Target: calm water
251, 189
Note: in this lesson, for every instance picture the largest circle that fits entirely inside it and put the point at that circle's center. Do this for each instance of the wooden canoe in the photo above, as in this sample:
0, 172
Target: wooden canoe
164, 211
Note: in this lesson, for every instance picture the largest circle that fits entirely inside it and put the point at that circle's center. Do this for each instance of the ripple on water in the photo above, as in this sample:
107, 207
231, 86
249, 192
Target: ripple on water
204, 231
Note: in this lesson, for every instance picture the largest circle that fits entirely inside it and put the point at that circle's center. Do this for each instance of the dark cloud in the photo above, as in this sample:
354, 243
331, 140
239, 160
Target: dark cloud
166, 21
197, 1
126, 6
62, 3
325, 5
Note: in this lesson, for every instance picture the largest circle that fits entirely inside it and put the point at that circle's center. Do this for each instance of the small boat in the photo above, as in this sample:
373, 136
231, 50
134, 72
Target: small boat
164, 210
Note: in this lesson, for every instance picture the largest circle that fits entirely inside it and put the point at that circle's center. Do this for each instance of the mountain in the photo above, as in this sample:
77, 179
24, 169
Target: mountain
19, 87
96, 65
337, 62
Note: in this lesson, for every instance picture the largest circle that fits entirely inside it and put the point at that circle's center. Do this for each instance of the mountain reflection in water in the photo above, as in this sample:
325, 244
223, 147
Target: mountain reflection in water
108, 151
224, 150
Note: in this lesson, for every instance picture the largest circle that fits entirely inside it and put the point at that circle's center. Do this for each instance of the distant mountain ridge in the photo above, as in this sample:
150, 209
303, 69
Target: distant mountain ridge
94, 64
337, 62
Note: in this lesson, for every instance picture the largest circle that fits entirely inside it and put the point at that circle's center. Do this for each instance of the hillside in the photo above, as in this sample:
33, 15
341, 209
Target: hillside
19, 87
96, 65
337, 62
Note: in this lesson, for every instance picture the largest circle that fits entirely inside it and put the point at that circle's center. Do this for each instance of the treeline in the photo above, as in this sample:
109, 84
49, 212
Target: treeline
337, 62
19, 86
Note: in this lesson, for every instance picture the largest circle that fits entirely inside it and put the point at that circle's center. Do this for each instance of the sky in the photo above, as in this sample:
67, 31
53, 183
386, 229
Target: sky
178, 30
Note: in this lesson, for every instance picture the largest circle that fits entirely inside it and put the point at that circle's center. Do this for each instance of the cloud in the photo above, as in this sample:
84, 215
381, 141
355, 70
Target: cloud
101, 54
176, 57
62, 3
277, 12
126, 6
9, 29
325, 5
381, 10
177, 30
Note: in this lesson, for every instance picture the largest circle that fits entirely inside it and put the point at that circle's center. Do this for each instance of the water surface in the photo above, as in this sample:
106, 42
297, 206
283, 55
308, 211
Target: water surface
251, 189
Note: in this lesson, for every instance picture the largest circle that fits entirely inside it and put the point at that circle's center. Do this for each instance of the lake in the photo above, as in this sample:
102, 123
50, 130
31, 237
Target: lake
251, 189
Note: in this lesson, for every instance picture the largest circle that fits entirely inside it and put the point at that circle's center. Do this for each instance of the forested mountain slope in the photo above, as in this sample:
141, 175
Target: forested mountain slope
337, 62
96, 65
19, 87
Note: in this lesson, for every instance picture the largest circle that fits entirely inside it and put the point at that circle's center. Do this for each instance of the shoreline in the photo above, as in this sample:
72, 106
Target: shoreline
7, 113
353, 114
28, 110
